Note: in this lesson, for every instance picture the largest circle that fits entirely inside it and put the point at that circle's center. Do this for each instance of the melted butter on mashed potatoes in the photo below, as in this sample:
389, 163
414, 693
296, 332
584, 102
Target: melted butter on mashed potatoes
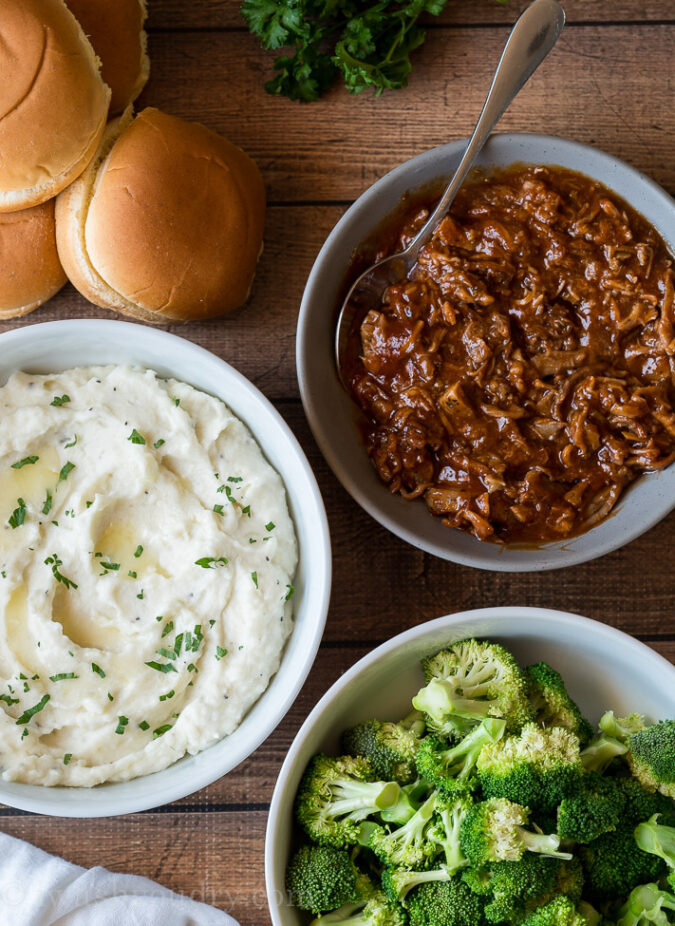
147, 559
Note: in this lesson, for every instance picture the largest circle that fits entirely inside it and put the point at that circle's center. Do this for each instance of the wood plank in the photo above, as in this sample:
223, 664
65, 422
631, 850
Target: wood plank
225, 14
335, 148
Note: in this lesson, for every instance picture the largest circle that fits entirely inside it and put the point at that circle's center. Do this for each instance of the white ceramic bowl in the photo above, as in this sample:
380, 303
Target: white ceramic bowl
333, 416
603, 669
57, 346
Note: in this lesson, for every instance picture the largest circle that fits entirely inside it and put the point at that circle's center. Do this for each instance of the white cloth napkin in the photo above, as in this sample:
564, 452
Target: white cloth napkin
37, 889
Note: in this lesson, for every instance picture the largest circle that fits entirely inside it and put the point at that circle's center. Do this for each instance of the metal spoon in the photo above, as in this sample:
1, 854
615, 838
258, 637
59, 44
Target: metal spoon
534, 34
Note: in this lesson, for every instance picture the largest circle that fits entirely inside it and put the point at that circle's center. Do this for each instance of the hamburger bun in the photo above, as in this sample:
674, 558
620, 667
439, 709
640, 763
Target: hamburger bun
166, 223
30, 270
53, 102
115, 29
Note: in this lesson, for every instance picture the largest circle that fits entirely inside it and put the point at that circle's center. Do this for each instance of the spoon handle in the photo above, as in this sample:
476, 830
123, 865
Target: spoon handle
533, 35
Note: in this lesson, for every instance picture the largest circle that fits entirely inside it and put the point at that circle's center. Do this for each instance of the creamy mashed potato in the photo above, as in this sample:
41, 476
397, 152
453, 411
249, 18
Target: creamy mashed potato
146, 568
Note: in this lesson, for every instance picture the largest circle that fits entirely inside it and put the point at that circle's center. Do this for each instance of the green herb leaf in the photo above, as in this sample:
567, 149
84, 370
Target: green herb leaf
290, 592
139, 551
160, 731
66, 759
55, 562
110, 567
167, 696
270, 526
97, 669
144, 725
18, 516
27, 461
211, 562
159, 443
66, 469
162, 666
122, 722
136, 438
218, 509
60, 400
72, 443
32, 711
8, 700
235, 478
254, 576
220, 652
110, 697
132, 574
62, 676
47, 506
167, 629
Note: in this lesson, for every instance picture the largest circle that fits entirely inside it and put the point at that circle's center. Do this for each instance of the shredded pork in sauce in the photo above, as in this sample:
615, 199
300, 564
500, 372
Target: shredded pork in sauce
525, 374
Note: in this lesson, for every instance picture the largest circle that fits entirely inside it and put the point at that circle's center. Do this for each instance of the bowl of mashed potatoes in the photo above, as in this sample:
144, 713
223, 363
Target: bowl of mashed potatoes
164, 568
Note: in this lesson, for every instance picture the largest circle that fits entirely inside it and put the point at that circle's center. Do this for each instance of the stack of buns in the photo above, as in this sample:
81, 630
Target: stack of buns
151, 216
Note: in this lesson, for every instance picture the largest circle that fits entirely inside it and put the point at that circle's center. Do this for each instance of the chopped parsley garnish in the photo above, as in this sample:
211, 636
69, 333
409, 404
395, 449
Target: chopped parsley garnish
72, 443
220, 652
138, 551
47, 506
254, 576
97, 669
110, 697
160, 731
252, 540
162, 666
109, 567
246, 510
55, 562
89, 504
168, 627
62, 676
66, 759
35, 709
211, 562
60, 400
160, 617
167, 696
176, 401
193, 640
290, 592
18, 516
218, 509
270, 526
228, 493
132, 574
144, 725
192, 668
235, 478
211, 622
167, 653
27, 461
136, 438
159, 443
178, 643
24, 733
8, 700
122, 722
66, 469
140, 594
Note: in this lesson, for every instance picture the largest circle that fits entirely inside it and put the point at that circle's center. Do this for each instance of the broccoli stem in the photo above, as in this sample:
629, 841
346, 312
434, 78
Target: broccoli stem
656, 839
413, 878
347, 915
358, 799
542, 843
452, 822
597, 756
461, 759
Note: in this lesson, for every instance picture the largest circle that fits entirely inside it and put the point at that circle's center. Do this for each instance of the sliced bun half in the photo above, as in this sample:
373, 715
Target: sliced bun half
166, 224
115, 29
53, 102
30, 270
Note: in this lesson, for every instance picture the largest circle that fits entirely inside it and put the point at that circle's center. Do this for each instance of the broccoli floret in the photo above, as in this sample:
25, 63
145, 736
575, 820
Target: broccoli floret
450, 814
515, 889
640, 804
389, 747
444, 903
590, 914
657, 839
376, 910
452, 769
336, 794
320, 878
494, 831
409, 801
537, 768
397, 882
595, 809
469, 681
408, 846
646, 905
552, 703
652, 756
621, 727
558, 912
614, 864
601, 752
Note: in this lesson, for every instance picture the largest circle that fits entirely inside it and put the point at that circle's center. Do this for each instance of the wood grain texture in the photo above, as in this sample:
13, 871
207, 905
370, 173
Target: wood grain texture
608, 84
225, 14
333, 149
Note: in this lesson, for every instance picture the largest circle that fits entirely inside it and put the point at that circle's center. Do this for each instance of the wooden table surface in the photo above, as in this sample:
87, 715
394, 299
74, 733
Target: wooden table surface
608, 83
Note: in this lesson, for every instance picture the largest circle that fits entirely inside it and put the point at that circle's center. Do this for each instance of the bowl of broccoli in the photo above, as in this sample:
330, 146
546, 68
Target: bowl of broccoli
513, 766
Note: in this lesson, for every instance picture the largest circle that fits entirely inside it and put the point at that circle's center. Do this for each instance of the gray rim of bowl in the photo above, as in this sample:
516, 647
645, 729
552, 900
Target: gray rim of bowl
199, 778
304, 346
447, 621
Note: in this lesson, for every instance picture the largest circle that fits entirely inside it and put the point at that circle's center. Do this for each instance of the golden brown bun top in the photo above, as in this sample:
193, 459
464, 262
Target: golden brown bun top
176, 219
30, 271
115, 29
53, 102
